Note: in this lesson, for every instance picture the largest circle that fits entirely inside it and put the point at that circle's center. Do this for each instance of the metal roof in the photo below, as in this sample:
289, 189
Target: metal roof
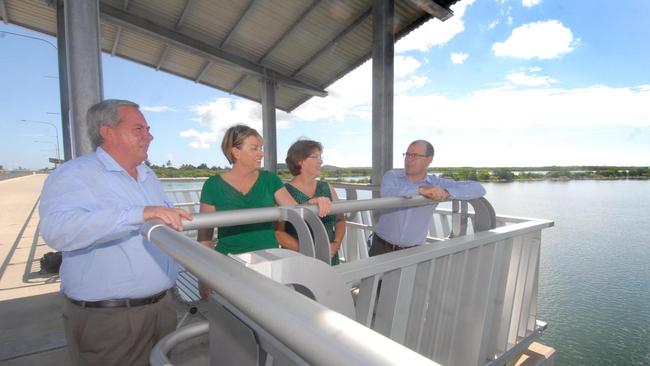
305, 45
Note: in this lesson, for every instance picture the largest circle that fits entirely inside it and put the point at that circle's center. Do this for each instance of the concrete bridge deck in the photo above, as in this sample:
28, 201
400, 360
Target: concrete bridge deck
31, 329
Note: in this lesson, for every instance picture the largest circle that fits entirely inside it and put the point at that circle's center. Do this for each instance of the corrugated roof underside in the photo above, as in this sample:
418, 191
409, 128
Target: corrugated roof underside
36, 15
312, 41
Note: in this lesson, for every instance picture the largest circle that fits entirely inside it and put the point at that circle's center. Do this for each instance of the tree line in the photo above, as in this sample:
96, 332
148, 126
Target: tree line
490, 174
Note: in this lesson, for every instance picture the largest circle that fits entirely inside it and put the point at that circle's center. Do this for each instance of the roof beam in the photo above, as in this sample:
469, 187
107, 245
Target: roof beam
116, 40
342, 34
3, 10
284, 35
179, 23
181, 19
181, 41
421, 20
203, 71
162, 57
432, 7
232, 30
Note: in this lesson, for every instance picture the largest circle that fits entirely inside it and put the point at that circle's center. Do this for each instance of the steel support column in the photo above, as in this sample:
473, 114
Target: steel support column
66, 131
84, 67
382, 88
268, 125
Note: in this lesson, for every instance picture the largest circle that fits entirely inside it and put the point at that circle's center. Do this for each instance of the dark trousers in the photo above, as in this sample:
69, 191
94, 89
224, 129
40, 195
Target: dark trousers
116, 336
380, 246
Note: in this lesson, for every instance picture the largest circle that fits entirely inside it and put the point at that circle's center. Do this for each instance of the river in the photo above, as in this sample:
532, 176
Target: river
594, 288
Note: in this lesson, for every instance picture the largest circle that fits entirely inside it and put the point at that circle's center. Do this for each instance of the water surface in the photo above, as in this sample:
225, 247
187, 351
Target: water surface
594, 288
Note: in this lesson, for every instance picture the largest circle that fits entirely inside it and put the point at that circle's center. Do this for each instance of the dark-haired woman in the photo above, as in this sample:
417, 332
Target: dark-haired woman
304, 161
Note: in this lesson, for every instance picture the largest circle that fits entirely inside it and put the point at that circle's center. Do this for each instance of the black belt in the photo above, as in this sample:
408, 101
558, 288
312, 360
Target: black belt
120, 303
387, 245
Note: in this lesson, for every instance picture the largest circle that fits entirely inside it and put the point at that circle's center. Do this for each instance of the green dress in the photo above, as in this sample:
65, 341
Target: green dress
329, 221
224, 197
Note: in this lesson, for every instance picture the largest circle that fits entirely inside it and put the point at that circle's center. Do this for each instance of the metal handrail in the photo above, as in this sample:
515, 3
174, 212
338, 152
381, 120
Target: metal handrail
257, 215
351, 272
317, 334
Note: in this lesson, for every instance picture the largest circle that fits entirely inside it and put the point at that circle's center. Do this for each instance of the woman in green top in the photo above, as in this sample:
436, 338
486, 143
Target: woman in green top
244, 186
304, 162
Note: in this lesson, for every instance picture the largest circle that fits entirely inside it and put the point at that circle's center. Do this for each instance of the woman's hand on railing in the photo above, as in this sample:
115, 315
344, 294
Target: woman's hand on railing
204, 290
324, 205
334, 248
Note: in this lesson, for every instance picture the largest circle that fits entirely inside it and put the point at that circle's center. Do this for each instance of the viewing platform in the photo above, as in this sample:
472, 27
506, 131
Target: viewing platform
30, 304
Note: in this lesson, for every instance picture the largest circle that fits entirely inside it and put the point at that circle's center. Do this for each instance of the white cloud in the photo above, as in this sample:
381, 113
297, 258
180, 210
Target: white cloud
530, 3
351, 96
405, 66
202, 140
458, 57
410, 83
434, 32
218, 115
543, 40
157, 108
530, 79
507, 107
493, 24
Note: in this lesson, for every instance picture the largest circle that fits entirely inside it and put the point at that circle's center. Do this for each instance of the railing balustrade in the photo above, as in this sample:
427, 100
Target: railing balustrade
462, 300
292, 326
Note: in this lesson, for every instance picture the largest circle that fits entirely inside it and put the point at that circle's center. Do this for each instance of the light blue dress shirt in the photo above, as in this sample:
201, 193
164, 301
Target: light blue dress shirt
408, 227
91, 209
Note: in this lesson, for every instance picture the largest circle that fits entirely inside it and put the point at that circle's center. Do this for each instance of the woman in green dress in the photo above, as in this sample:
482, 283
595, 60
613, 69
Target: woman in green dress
304, 161
245, 185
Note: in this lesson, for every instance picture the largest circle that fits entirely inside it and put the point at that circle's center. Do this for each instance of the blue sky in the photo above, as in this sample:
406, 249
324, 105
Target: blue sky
502, 83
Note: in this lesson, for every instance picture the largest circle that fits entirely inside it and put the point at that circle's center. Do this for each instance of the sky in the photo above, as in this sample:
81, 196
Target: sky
501, 83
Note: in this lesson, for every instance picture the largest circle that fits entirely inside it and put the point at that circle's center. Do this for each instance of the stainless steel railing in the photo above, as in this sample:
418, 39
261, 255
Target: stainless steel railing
463, 300
314, 333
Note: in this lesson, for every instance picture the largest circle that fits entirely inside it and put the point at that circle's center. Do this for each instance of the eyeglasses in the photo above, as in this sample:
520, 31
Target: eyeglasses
316, 157
414, 156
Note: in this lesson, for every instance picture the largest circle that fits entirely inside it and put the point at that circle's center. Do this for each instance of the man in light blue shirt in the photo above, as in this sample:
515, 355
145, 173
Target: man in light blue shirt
115, 282
407, 227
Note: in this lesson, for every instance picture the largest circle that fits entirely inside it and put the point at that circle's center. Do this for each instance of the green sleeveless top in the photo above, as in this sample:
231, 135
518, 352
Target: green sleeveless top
322, 190
224, 197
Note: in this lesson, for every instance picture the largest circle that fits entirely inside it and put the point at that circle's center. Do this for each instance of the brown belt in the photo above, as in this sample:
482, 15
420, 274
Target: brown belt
120, 303
387, 245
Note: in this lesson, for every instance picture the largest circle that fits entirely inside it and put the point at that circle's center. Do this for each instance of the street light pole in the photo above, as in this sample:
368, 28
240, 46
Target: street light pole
63, 74
50, 143
56, 131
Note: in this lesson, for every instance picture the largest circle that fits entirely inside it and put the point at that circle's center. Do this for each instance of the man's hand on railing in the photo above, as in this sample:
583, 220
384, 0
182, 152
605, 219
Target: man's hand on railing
170, 216
435, 193
324, 205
